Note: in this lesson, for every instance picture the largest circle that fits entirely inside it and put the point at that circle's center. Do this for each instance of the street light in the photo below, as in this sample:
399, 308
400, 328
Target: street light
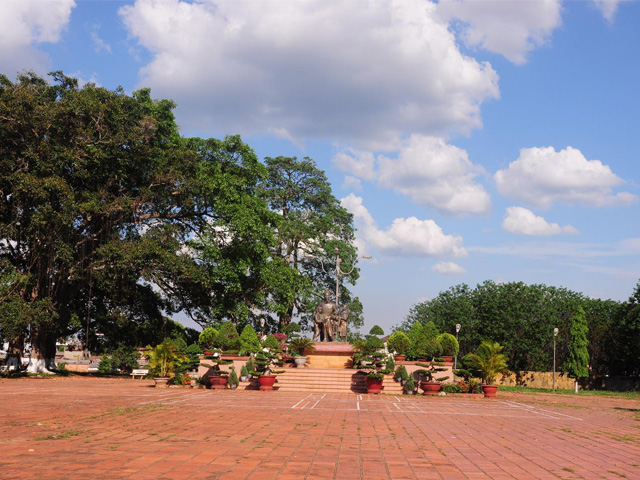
555, 334
455, 360
338, 271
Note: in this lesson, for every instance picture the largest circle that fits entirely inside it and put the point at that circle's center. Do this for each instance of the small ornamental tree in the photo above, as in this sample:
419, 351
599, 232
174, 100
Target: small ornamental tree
399, 342
449, 344
487, 360
414, 334
125, 358
376, 330
577, 365
271, 343
249, 341
165, 359
207, 339
228, 338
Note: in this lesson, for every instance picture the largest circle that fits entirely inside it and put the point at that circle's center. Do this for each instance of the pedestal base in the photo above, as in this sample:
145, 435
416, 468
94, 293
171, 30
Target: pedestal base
336, 355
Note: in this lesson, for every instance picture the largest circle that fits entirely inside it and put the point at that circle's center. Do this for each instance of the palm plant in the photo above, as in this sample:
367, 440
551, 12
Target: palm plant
487, 360
300, 344
165, 358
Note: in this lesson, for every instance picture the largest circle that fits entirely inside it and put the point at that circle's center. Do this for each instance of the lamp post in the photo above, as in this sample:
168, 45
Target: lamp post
455, 360
555, 334
338, 271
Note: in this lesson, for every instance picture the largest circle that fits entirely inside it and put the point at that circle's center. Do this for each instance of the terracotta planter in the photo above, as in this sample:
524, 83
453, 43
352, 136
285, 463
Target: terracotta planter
490, 390
161, 382
430, 388
374, 386
218, 382
399, 358
447, 358
266, 381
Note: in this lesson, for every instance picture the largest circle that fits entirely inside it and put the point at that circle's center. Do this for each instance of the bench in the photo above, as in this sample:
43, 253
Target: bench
139, 372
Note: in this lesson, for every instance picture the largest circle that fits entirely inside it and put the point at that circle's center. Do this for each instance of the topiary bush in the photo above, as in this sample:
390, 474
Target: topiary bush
271, 343
124, 358
228, 338
399, 342
249, 341
376, 330
449, 344
207, 339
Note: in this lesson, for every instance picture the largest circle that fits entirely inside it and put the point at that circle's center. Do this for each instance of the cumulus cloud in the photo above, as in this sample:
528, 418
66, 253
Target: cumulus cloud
426, 169
406, 236
23, 25
363, 70
608, 8
448, 268
510, 28
524, 222
541, 177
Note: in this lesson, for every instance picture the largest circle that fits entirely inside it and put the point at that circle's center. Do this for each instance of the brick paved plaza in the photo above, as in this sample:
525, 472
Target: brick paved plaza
90, 428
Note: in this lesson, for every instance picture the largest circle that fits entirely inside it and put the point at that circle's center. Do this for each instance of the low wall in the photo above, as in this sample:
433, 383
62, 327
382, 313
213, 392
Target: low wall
535, 380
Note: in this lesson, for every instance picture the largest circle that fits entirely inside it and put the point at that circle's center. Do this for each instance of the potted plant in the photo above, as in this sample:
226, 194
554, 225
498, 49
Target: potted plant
429, 384
450, 346
218, 378
489, 362
233, 379
164, 360
401, 375
244, 373
300, 345
371, 359
410, 386
399, 343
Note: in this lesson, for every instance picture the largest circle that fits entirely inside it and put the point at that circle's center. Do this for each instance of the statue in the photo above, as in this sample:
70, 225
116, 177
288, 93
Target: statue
342, 323
324, 316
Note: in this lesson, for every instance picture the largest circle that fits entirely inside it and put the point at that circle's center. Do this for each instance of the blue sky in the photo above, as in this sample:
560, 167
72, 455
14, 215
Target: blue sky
472, 139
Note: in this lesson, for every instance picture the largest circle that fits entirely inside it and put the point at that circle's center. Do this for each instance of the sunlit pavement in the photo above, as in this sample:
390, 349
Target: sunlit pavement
93, 428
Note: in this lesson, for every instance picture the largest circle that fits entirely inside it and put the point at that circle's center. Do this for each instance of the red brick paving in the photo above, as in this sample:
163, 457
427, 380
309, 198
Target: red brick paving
89, 428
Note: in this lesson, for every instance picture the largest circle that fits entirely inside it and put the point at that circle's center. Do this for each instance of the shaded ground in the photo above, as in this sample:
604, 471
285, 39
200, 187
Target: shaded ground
89, 428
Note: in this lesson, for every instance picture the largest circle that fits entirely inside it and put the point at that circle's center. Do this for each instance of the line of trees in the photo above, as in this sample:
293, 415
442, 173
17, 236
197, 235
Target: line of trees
110, 220
522, 318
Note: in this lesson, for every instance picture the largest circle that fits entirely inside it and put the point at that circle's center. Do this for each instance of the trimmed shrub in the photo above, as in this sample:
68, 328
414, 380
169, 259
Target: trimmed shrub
449, 344
271, 343
249, 341
207, 339
228, 338
399, 342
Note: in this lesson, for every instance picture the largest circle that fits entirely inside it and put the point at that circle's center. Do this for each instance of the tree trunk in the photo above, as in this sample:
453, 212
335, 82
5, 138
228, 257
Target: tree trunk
43, 352
14, 352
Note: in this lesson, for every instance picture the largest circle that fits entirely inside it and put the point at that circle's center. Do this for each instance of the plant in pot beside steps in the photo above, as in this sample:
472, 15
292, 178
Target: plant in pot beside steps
300, 345
218, 378
233, 379
371, 359
401, 375
429, 384
450, 346
265, 361
399, 343
488, 362
164, 360
244, 373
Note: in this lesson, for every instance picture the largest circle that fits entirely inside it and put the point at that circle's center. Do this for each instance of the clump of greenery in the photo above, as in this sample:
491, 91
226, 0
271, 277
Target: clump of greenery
251, 366
399, 342
228, 338
300, 344
233, 377
376, 330
249, 341
207, 339
401, 373
105, 366
449, 344
487, 360
165, 359
291, 330
125, 358
410, 385
193, 352
271, 343
429, 370
390, 363
244, 371
577, 365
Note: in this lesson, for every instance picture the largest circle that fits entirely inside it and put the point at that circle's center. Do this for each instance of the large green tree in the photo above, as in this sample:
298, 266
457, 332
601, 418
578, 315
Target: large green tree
577, 363
310, 223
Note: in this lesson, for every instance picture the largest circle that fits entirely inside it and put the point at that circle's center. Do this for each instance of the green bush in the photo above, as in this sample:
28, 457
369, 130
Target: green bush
410, 385
249, 341
452, 388
233, 377
399, 342
105, 367
244, 371
376, 330
271, 343
401, 373
193, 352
124, 358
207, 338
449, 344
291, 329
228, 338
390, 363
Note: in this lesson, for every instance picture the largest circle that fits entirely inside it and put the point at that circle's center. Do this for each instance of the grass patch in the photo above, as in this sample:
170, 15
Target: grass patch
62, 435
567, 469
622, 475
581, 393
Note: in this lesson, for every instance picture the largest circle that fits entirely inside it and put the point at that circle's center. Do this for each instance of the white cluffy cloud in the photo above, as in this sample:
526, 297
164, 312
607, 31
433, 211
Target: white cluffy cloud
608, 8
23, 25
541, 177
427, 170
524, 222
448, 268
406, 236
510, 28
359, 70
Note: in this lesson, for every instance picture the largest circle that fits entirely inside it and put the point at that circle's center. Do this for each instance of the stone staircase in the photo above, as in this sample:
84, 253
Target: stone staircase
329, 380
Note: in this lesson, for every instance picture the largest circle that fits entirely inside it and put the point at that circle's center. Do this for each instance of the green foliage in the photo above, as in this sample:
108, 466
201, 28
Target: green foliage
390, 363
249, 341
414, 334
244, 371
105, 366
375, 375
228, 338
124, 358
165, 359
376, 330
251, 365
399, 342
426, 348
372, 345
291, 329
429, 370
401, 373
410, 385
452, 388
301, 344
577, 365
449, 344
264, 363
271, 343
193, 353
233, 377
487, 360
207, 339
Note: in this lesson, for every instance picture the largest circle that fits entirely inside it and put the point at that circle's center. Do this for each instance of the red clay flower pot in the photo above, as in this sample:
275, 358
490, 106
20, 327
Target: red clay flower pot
374, 385
266, 381
490, 390
430, 388
218, 382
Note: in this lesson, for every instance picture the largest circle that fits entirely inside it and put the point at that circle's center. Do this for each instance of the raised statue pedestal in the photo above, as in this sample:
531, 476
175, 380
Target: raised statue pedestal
336, 355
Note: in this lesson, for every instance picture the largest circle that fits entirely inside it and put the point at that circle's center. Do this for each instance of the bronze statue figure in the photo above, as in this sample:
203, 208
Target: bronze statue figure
324, 317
